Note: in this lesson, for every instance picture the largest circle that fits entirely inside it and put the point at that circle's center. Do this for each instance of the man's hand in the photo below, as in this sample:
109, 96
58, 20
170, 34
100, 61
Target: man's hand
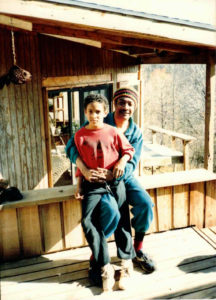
104, 175
89, 174
92, 175
118, 169
99, 175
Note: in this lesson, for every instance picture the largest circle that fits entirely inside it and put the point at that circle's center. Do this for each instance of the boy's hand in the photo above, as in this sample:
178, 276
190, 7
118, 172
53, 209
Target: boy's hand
79, 194
91, 175
98, 175
104, 175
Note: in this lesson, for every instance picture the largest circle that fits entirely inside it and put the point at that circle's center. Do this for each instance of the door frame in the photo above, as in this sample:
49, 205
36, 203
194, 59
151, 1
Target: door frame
64, 83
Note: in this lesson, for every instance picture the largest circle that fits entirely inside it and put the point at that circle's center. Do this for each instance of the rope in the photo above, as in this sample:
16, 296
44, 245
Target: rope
13, 47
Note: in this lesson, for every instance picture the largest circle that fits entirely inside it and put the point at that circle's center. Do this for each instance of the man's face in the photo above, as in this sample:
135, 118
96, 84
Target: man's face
124, 108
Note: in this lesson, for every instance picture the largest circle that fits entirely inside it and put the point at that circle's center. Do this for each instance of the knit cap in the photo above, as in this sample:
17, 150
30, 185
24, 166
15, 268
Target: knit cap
126, 92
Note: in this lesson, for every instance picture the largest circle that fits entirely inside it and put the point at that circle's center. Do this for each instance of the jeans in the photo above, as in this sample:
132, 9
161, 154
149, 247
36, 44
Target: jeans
91, 223
109, 214
141, 204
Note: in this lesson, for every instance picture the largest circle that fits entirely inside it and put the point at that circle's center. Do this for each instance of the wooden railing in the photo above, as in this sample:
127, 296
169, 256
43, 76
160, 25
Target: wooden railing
48, 220
184, 138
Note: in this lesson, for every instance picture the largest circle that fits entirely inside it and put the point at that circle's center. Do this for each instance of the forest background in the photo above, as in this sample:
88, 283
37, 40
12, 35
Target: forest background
178, 94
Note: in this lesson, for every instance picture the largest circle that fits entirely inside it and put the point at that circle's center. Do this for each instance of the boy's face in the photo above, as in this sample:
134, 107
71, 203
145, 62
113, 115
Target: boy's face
124, 108
95, 113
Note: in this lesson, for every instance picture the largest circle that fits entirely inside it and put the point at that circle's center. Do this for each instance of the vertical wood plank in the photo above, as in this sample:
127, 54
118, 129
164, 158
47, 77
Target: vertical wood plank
3, 108
180, 206
26, 117
31, 94
14, 163
9, 237
154, 224
141, 111
210, 210
29, 228
209, 114
47, 137
186, 155
39, 120
51, 226
7, 112
74, 236
164, 204
20, 102
197, 204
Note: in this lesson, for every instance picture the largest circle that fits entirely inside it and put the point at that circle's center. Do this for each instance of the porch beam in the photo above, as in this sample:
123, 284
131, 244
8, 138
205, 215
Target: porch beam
81, 80
209, 114
178, 58
201, 37
113, 40
87, 42
15, 23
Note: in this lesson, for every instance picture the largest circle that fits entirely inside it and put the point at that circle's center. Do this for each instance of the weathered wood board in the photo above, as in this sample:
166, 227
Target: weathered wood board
49, 220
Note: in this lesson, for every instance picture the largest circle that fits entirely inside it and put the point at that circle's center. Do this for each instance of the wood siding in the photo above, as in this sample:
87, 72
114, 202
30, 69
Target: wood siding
21, 117
64, 58
22, 148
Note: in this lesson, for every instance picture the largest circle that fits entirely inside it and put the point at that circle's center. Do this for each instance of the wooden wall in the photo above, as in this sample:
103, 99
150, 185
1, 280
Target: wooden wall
22, 146
22, 156
61, 58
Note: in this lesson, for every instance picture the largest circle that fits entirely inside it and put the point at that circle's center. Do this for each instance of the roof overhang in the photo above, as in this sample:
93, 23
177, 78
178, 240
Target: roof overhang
138, 34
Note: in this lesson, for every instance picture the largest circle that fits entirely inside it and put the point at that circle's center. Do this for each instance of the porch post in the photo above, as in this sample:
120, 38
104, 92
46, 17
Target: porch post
47, 136
141, 111
209, 114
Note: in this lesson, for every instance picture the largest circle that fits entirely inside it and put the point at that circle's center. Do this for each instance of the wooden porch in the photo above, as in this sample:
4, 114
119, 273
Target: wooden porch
186, 268
43, 251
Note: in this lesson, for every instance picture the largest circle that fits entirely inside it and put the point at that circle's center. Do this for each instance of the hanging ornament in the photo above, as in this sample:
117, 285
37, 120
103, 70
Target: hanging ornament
16, 74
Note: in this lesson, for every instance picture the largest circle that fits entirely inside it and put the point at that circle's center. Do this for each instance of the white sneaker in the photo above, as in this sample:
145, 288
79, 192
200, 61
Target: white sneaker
125, 273
107, 274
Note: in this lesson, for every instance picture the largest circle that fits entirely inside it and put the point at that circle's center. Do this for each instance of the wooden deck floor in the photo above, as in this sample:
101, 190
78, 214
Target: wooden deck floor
186, 268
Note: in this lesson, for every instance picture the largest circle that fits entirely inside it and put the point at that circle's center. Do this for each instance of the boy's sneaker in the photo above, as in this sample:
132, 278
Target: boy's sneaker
144, 262
107, 274
125, 273
95, 273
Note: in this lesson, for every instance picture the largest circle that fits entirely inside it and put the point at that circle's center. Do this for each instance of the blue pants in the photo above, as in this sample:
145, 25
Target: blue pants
141, 204
109, 214
92, 226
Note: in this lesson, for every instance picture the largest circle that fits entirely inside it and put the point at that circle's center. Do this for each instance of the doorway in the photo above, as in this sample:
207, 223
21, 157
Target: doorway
66, 115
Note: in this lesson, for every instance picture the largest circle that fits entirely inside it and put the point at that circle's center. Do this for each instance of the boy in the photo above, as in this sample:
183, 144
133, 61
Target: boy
102, 146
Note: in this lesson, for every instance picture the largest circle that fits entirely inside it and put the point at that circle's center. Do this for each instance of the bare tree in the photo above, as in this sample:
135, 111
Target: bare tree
175, 99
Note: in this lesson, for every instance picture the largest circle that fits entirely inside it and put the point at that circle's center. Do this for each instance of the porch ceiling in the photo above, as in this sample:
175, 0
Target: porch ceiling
149, 40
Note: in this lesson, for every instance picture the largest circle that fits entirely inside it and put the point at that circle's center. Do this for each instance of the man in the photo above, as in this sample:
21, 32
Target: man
125, 102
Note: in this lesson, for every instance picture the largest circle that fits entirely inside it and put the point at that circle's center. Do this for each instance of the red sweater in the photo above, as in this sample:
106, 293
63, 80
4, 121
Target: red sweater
101, 147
